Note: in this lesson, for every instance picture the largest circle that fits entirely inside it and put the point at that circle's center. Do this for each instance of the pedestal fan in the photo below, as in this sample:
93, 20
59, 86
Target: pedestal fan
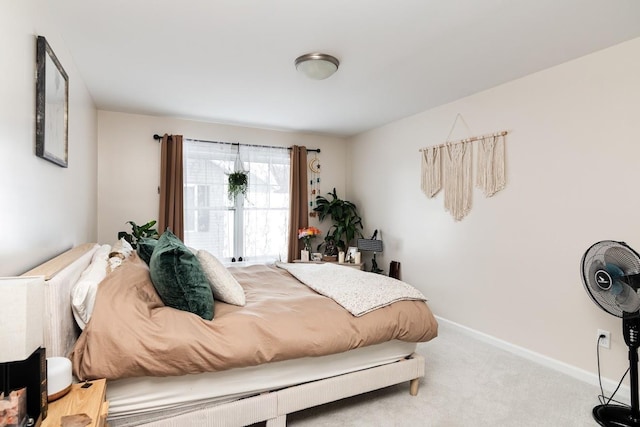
611, 277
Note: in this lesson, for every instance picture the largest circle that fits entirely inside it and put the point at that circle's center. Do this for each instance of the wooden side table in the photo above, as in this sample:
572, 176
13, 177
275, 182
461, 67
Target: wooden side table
80, 400
359, 266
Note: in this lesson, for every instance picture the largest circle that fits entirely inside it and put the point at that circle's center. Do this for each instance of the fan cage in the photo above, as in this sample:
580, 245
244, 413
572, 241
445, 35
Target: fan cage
595, 258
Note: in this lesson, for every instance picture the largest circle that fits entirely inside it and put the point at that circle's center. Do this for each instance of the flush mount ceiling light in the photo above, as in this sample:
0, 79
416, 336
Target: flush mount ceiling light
317, 66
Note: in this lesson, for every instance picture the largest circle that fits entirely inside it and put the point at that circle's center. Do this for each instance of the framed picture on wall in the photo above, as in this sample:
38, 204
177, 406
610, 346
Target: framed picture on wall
52, 106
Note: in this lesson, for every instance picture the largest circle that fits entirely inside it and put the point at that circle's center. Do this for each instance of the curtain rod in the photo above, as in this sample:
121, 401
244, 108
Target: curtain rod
474, 138
317, 150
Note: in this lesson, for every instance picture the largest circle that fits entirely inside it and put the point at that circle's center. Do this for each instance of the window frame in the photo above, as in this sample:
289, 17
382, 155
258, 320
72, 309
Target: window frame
237, 232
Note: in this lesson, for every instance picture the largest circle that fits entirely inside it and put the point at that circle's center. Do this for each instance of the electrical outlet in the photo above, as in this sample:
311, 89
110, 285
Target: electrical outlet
606, 341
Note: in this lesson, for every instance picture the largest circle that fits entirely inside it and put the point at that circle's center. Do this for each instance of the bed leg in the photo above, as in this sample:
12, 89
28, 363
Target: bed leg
280, 421
413, 386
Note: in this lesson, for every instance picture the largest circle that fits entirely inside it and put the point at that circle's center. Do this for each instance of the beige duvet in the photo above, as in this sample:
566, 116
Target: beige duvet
131, 332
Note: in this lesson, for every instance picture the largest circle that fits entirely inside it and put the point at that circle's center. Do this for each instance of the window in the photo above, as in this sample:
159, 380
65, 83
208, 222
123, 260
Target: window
255, 227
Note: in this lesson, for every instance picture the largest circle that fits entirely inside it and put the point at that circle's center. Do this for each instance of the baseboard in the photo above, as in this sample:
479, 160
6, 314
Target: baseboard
580, 374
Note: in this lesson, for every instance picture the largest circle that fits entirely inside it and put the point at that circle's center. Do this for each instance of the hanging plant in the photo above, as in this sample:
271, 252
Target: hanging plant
238, 184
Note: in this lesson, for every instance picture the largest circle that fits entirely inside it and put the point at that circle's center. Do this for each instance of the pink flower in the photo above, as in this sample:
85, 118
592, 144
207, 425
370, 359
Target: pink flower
308, 232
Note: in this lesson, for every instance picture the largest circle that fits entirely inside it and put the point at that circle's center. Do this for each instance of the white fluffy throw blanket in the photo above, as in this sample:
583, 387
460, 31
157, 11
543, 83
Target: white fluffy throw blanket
359, 292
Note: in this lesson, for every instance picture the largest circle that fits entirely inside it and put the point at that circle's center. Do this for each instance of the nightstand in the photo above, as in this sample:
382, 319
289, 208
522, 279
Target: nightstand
80, 400
359, 266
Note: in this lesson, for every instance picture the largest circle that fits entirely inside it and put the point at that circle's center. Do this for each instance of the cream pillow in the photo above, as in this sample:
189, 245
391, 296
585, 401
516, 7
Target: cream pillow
224, 286
83, 292
123, 247
119, 252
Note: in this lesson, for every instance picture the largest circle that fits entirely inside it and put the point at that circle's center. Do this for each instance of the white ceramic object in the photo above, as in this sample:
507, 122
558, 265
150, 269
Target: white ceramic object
59, 377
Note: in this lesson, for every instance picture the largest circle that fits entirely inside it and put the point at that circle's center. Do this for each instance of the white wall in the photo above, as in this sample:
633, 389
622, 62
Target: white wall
44, 209
129, 167
511, 267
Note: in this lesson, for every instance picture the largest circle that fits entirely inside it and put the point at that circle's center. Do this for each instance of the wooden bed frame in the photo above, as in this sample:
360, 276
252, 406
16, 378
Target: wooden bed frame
271, 407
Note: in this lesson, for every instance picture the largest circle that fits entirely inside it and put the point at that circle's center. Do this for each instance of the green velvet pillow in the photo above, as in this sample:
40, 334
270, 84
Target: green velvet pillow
145, 248
178, 278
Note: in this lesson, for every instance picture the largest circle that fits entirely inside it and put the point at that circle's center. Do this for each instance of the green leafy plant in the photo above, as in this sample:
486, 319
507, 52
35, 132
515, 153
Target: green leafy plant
238, 184
345, 217
138, 232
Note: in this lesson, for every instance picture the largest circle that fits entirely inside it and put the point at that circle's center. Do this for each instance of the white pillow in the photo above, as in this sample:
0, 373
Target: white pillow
123, 247
224, 286
83, 292
119, 252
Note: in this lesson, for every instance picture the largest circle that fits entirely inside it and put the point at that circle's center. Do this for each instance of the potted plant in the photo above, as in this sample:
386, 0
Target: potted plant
347, 223
238, 184
138, 232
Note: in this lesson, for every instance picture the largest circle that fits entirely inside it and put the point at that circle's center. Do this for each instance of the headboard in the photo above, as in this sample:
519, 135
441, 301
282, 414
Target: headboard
60, 274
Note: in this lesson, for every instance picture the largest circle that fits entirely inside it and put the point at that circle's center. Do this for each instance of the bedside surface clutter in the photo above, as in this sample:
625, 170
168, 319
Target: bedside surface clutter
359, 265
85, 403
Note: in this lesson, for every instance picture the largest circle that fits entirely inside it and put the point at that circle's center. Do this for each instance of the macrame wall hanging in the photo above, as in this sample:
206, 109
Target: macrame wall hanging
457, 179
458, 158
314, 183
490, 176
431, 182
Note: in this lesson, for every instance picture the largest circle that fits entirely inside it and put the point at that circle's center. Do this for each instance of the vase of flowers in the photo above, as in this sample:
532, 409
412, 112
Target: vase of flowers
307, 234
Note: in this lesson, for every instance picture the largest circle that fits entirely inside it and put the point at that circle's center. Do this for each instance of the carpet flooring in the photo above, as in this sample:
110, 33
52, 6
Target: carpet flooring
468, 383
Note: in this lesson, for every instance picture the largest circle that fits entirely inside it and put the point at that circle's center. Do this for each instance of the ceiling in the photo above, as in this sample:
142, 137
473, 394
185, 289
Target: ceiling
232, 61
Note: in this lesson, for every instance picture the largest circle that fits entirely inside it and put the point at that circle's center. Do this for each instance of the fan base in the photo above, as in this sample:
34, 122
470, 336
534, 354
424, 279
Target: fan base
614, 416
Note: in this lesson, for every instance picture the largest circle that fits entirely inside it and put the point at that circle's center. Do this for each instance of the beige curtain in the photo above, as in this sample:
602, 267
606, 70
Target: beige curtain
299, 202
171, 209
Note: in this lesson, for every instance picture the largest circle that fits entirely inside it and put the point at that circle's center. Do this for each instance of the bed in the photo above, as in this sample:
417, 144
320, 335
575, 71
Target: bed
227, 389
